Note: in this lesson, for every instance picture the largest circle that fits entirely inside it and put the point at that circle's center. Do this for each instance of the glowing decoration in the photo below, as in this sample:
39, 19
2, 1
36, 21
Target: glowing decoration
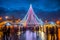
8, 24
6, 17
58, 22
31, 18
0, 18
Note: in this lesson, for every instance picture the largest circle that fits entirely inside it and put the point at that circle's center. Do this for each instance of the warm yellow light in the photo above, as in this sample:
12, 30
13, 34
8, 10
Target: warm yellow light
18, 33
24, 24
0, 18
58, 22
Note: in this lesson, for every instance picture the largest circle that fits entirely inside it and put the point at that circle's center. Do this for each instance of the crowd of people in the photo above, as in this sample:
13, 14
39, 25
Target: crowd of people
9, 33
53, 32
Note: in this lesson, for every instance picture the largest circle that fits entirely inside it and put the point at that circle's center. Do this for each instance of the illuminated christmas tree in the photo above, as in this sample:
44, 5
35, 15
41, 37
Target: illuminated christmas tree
31, 18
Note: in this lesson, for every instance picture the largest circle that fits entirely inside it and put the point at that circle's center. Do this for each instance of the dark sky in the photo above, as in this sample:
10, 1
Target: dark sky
45, 9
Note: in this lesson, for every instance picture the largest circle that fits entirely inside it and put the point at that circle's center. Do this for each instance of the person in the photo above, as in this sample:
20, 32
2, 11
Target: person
5, 33
1, 33
47, 32
8, 32
52, 33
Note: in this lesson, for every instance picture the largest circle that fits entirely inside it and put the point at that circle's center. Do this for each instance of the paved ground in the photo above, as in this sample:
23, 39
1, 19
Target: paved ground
27, 35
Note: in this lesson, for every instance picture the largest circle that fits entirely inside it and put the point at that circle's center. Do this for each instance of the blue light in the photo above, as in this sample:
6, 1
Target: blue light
8, 24
52, 23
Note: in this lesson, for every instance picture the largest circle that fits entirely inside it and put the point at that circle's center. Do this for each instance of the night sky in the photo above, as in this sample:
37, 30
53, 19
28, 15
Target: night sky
44, 9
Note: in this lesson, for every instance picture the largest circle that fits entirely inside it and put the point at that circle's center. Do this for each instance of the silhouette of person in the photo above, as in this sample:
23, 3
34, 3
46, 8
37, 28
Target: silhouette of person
5, 33
8, 32
52, 33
